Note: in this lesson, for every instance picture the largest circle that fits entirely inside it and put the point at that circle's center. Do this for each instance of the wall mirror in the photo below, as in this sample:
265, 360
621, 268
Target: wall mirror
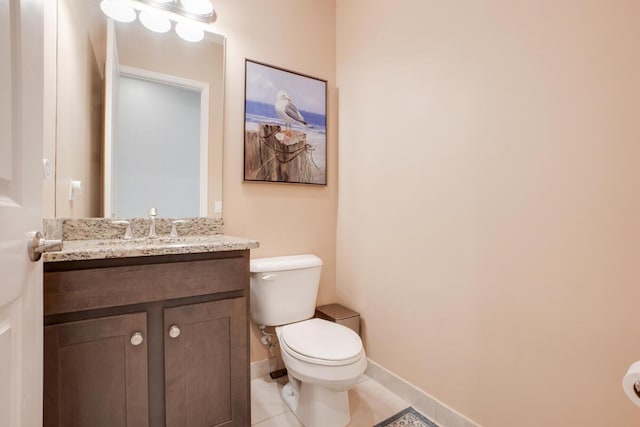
139, 118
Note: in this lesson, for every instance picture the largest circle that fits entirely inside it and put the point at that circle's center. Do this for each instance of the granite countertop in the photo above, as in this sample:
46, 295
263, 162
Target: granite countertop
76, 250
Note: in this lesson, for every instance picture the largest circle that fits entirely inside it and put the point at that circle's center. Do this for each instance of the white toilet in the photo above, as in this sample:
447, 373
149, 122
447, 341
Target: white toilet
323, 359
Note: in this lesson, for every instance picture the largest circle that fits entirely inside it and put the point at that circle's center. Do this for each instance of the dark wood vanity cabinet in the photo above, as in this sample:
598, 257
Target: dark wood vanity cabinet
199, 392
149, 341
94, 376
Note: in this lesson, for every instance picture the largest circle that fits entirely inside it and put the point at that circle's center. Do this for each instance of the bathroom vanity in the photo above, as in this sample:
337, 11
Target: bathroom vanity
147, 335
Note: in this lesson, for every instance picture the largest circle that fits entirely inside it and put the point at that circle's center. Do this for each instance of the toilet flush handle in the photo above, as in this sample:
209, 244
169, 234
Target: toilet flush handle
268, 276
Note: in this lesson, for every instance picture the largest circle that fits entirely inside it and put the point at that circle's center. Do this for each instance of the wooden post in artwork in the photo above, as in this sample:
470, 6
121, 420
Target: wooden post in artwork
273, 154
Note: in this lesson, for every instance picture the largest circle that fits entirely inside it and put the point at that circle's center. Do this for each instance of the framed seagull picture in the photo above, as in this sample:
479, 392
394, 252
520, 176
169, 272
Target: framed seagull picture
285, 127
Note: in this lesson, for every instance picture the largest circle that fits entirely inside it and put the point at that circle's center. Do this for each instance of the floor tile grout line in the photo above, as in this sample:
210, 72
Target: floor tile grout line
271, 417
364, 380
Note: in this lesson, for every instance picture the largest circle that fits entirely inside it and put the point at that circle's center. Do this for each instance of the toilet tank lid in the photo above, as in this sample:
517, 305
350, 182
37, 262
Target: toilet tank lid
283, 263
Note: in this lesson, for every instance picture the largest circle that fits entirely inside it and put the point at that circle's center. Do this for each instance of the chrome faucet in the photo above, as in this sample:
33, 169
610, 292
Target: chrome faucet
153, 213
174, 230
128, 235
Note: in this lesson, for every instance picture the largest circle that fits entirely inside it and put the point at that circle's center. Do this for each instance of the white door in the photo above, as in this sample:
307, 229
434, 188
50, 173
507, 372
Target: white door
21, 131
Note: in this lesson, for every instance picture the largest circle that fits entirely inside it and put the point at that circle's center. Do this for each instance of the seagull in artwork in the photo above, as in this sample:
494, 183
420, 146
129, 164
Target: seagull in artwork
287, 111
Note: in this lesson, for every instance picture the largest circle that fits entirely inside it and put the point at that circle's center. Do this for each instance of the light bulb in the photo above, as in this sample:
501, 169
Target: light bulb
188, 32
155, 23
197, 7
118, 10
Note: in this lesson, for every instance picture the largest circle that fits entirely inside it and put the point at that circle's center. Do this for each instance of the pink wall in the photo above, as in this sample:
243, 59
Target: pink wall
488, 222
286, 218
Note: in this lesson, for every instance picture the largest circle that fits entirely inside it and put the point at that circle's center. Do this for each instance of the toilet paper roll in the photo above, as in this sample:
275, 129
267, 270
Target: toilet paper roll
631, 383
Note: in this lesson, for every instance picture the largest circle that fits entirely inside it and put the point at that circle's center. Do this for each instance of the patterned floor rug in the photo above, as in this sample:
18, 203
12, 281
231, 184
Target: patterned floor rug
407, 418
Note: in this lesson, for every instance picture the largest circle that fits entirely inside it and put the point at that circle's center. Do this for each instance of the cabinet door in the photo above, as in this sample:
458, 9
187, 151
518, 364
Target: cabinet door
206, 364
96, 373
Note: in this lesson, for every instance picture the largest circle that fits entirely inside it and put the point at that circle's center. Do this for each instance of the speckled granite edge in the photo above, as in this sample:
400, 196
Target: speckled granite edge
99, 238
103, 229
78, 250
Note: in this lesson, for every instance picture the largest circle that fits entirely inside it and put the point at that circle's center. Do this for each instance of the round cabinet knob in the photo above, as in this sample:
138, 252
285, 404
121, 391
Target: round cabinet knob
136, 339
174, 331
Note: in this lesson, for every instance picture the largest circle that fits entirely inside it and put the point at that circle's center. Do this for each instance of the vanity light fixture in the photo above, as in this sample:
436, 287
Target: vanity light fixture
154, 22
118, 10
189, 32
192, 17
197, 7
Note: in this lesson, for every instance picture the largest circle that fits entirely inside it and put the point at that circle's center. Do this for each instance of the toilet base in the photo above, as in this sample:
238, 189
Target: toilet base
316, 406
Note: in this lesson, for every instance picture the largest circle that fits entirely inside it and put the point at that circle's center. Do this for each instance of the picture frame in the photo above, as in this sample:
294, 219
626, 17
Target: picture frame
285, 127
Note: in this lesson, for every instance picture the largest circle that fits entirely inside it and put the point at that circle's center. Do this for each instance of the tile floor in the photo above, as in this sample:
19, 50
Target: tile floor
369, 402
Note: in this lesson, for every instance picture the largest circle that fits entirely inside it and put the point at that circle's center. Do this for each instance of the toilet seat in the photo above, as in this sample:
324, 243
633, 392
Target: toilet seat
321, 342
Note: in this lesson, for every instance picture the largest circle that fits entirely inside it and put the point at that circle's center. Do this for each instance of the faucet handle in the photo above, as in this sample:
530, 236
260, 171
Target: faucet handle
128, 235
174, 231
153, 213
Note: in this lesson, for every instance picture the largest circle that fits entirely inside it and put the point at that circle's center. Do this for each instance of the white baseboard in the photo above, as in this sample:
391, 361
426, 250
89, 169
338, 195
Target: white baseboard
443, 415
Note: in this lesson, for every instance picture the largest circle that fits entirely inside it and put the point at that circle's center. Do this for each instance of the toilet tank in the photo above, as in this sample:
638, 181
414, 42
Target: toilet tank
284, 289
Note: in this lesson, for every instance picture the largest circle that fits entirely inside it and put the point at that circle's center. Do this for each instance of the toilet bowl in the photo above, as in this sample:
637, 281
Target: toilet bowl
323, 359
